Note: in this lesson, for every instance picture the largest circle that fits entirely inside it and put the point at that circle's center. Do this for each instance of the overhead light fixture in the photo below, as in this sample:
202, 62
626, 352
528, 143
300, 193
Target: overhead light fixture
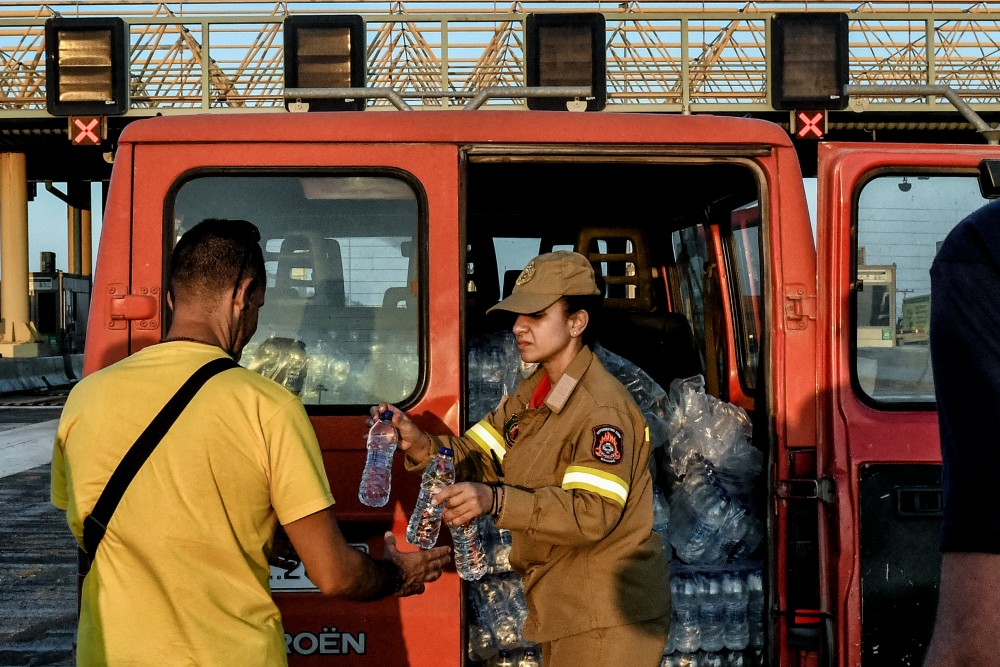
566, 50
809, 60
86, 67
326, 52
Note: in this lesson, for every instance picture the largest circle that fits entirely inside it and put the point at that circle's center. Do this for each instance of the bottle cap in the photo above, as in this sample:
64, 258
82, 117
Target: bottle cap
447, 451
386, 416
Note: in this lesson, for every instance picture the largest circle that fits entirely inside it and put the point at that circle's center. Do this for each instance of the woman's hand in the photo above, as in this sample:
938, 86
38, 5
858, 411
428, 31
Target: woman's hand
464, 501
410, 434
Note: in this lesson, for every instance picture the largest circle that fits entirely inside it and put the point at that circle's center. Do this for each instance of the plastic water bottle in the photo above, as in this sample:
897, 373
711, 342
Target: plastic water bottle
739, 535
425, 521
736, 659
661, 517
705, 510
503, 659
687, 660
470, 557
712, 618
755, 608
529, 658
494, 601
686, 607
712, 659
734, 595
376, 480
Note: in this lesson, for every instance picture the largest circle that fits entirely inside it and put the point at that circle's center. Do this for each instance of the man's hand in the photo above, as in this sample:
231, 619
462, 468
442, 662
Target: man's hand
464, 501
418, 567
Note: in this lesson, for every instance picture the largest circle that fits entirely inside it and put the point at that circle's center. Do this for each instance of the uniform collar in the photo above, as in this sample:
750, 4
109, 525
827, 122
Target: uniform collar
559, 396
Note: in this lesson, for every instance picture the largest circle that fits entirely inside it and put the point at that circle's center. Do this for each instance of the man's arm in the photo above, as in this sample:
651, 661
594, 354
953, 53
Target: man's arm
340, 570
965, 631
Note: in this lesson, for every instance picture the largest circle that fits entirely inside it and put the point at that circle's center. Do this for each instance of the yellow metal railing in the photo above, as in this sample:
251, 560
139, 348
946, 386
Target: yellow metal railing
226, 55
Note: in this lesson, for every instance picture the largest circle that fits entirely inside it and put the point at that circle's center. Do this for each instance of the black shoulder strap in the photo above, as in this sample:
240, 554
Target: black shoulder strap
96, 523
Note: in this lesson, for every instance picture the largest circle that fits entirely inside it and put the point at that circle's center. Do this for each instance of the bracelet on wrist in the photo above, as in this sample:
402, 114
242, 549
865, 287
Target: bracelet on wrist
500, 495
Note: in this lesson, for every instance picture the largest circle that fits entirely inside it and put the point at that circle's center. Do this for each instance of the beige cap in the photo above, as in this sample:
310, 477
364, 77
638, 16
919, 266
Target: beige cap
546, 279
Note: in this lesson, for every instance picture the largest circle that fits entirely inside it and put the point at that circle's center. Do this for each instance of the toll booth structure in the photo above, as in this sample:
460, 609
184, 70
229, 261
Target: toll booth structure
59, 303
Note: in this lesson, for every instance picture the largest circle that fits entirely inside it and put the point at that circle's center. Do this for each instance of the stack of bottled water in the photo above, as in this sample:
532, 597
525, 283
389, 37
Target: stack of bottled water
494, 371
702, 426
283, 360
708, 524
718, 597
755, 609
498, 608
713, 616
661, 517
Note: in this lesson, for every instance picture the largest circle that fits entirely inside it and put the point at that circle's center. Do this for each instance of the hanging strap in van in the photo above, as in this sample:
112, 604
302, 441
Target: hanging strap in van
96, 523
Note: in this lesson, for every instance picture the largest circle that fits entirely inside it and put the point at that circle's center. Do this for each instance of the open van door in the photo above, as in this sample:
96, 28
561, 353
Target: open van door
882, 214
346, 235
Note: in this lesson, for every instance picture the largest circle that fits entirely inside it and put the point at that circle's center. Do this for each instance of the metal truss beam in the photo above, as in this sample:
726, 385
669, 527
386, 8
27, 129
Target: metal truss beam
196, 56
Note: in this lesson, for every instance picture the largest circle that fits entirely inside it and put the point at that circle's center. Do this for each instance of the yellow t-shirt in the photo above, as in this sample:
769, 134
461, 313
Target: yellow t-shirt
181, 577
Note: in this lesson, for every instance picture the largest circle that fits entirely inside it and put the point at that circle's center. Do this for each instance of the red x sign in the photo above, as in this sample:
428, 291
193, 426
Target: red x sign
86, 130
809, 124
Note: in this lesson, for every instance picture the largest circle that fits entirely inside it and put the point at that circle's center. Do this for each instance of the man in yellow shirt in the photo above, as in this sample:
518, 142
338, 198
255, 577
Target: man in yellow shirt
181, 576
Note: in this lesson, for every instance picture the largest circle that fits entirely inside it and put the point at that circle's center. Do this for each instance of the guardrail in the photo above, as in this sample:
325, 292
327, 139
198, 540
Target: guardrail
34, 373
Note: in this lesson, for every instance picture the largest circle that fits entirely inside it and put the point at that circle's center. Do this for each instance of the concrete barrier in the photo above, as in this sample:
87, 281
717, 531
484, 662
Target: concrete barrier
33, 373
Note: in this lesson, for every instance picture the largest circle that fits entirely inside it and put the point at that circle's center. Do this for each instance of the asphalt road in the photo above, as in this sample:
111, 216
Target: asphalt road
37, 552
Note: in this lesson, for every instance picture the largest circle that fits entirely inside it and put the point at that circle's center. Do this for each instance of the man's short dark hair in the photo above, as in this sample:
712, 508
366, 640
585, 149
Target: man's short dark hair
214, 255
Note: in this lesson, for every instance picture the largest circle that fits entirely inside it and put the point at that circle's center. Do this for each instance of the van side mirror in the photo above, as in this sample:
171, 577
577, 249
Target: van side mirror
989, 178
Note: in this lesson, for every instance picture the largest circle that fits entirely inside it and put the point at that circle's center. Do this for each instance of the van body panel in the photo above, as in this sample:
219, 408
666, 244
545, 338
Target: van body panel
777, 328
421, 628
109, 336
458, 127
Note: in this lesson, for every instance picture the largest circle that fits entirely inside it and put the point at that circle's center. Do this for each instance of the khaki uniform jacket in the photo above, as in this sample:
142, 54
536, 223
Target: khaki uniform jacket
579, 500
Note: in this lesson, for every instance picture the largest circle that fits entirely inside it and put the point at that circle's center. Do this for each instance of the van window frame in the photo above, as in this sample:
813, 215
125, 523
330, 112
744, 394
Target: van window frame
890, 171
421, 247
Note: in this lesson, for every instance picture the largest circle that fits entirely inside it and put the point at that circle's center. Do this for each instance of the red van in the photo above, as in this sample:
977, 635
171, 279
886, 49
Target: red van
388, 235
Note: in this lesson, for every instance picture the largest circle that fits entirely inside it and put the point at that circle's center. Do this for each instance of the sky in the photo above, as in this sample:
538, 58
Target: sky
48, 230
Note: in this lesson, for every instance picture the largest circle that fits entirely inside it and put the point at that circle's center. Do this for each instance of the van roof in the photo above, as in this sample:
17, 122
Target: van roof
480, 126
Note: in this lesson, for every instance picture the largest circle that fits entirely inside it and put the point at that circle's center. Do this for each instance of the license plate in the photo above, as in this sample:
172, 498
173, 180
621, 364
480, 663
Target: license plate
291, 577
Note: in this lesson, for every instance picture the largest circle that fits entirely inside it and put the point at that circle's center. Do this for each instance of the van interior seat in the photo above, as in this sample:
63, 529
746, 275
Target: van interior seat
294, 258
661, 344
635, 322
399, 297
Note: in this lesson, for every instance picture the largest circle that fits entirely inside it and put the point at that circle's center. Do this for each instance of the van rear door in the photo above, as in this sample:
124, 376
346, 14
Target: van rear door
347, 240
881, 216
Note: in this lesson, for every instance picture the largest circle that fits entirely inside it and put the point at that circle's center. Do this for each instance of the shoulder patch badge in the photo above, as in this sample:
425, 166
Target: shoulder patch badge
608, 443
510, 430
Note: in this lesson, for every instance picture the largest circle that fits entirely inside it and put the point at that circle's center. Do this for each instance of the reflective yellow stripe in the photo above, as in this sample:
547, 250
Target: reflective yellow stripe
647, 434
488, 438
602, 483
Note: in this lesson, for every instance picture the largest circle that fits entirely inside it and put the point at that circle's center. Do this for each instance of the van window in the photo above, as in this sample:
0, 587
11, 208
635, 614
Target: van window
745, 260
339, 324
901, 221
